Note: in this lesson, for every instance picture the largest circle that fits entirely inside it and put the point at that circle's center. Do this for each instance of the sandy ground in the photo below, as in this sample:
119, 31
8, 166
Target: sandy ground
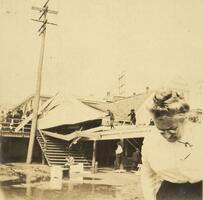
29, 182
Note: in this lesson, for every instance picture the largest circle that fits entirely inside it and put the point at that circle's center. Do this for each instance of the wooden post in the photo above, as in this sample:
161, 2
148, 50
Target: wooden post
1, 153
43, 11
94, 156
43, 159
123, 147
37, 99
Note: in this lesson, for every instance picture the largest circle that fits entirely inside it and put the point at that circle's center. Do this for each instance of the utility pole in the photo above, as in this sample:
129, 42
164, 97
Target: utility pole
43, 11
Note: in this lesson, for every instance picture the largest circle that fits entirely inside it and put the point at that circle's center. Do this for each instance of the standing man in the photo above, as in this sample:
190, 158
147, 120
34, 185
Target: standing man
118, 160
132, 116
112, 118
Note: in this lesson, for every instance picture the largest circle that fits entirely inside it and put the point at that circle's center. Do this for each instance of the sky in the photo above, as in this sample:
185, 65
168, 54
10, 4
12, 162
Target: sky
95, 41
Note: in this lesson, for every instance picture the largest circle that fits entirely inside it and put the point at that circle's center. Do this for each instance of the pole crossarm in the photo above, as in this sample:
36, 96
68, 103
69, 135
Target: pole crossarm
43, 9
36, 20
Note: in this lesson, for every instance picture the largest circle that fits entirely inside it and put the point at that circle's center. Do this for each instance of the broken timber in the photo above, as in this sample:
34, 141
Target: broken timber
105, 133
29, 118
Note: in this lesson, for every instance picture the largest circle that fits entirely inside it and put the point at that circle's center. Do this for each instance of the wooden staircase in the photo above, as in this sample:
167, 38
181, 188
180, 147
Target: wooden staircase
55, 151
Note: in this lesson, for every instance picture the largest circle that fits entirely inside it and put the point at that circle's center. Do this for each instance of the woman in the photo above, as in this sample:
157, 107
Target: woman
172, 153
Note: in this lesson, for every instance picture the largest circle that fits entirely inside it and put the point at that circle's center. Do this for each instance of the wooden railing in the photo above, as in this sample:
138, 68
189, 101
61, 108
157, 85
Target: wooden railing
43, 143
7, 128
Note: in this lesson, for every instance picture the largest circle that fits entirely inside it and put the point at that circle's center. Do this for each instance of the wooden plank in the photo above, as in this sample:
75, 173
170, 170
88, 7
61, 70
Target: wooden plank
116, 136
16, 135
62, 137
94, 154
25, 121
122, 132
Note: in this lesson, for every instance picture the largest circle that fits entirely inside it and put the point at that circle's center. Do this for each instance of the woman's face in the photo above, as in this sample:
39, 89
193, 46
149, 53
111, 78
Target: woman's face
170, 126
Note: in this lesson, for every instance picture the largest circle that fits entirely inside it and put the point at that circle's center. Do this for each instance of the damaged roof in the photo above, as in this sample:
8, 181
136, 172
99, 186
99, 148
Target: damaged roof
120, 108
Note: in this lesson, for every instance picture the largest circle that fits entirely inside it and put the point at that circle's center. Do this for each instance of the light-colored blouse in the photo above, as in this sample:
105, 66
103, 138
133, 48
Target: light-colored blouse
177, 162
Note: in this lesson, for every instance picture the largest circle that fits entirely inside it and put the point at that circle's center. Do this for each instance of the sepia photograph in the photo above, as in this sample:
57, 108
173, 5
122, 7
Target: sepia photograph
101, 100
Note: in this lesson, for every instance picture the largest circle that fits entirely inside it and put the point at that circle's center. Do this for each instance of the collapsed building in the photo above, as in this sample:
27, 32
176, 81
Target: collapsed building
77, 128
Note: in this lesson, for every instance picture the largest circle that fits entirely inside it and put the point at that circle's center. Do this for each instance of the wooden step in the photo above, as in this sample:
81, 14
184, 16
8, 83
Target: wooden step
53, 145
57, 159
54, 150
63, 162
53, 142
57, 151
59, 162
57, 154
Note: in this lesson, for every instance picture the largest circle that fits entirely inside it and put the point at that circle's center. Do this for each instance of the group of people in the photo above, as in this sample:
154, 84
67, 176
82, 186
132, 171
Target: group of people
17, 115
111, 116
12, 119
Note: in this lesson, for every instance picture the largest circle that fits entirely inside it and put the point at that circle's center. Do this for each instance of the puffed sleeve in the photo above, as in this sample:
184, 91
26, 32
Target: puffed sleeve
149, 179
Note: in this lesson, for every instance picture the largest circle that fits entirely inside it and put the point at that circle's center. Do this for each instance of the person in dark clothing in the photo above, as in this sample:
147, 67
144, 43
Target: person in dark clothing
112, 118
133, 161
9, 117
27, 114
20, 112
137, 158
184, 191
151, 123
132, 116
16, 119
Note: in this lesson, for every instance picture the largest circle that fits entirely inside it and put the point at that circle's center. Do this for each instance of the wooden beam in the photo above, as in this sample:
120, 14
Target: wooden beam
120, 132
43, 159
122, 156
110, 134
29, 118
94, 156
67, 137
37, 99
